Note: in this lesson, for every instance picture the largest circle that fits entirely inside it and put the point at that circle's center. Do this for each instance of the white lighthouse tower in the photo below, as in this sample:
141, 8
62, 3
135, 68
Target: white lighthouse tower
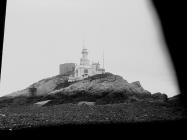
84, 60
85, 69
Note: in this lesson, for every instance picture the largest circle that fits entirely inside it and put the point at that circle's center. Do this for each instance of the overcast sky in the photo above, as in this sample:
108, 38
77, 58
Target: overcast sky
41, 34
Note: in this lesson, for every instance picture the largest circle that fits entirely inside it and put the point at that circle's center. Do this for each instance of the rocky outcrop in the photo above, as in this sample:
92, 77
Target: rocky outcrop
42, 87
101, 88
160, 96
136, 84
101, 84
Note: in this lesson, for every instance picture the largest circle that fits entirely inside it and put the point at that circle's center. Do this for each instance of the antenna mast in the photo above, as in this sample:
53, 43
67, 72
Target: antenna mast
103, 62
83, 44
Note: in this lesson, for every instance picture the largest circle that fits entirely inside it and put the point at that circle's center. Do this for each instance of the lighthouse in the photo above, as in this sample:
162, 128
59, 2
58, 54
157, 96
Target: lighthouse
84, 60
84, 69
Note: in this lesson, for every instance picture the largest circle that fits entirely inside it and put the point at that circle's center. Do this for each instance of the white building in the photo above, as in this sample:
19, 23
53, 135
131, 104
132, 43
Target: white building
85, 69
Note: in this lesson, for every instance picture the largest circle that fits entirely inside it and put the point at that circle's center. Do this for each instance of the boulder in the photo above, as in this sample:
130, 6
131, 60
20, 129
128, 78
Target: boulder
136, 84
86, 103
159, 96
41, 103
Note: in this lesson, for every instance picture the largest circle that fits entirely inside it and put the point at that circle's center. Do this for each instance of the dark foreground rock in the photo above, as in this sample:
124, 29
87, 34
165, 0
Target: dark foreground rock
34, 116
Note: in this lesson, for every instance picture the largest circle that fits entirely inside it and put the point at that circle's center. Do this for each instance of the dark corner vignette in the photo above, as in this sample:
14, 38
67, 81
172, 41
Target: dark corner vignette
170, 18
3, 4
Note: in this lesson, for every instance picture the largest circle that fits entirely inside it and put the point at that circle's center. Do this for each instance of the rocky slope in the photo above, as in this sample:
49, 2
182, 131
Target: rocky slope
100, 84
102, 88
42, 87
